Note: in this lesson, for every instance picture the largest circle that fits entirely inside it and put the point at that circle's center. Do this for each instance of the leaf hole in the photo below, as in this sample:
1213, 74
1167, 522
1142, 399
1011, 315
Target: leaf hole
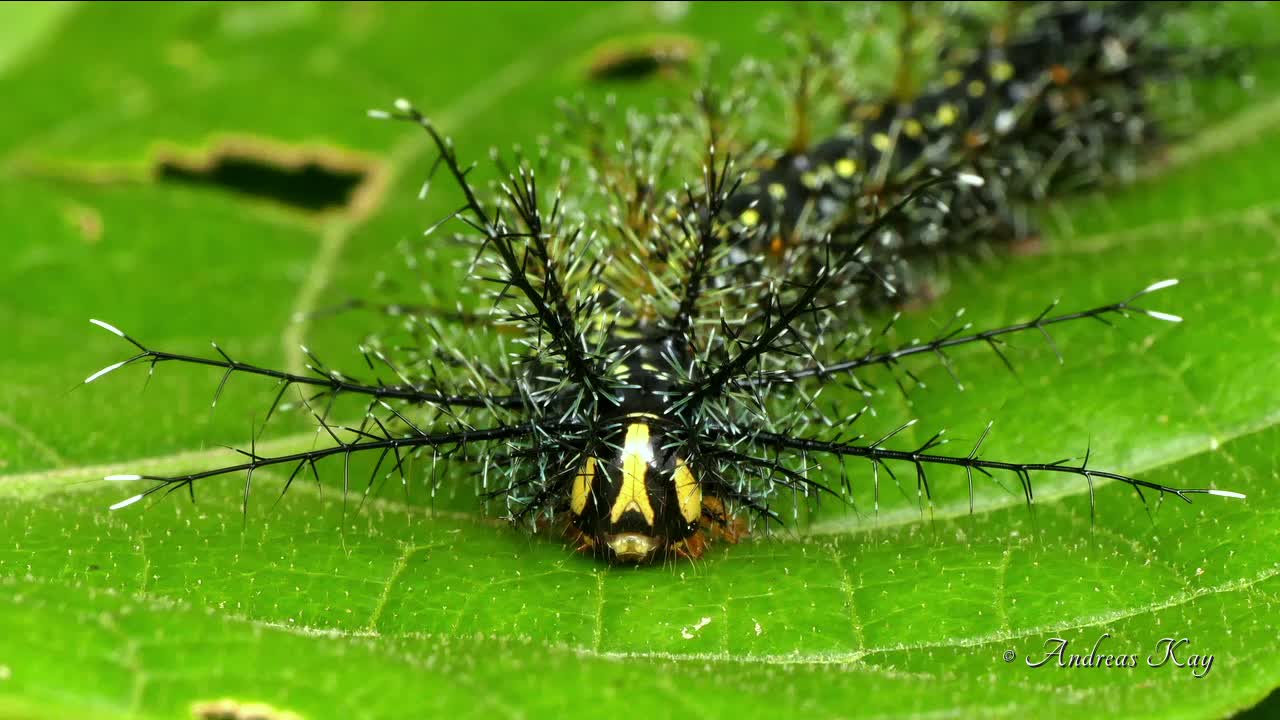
318, 179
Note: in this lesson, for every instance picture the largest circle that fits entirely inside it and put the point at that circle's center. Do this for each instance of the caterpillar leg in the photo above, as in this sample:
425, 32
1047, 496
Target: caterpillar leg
717, 524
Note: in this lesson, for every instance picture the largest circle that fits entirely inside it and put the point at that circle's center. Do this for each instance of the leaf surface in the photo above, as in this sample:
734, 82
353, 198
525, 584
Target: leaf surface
421, 606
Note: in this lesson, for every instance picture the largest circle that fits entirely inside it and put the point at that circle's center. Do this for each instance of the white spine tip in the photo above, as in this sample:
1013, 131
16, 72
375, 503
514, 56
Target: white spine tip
121, 478
1160, 285
107, 326
127, 502
1227, 494
1164, 316
379, 114
909, 424
104, 371
403, 105
971, 180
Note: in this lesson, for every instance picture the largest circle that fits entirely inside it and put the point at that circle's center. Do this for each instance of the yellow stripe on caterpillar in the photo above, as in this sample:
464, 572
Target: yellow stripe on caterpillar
637, 453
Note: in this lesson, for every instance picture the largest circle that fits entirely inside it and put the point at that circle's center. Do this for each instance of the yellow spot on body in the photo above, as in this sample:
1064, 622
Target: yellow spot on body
636, 456
810, 180
688, 492
1001, 71
845, 167
868, 112
582, 486
881, 142
777, 191
912, 128
952, 77
750, 217
976, 88
946, 114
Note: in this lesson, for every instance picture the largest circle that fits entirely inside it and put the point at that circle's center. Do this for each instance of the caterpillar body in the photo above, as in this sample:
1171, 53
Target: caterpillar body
1056, 106
664, 381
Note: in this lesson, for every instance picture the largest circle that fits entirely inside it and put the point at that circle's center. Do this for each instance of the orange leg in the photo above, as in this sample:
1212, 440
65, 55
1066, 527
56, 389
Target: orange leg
717, 521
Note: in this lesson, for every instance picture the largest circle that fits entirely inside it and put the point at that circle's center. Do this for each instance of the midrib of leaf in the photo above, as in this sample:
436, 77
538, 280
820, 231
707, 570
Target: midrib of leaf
33, 484
1221, 138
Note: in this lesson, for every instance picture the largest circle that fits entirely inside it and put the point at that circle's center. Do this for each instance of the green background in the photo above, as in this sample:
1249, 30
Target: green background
421, 605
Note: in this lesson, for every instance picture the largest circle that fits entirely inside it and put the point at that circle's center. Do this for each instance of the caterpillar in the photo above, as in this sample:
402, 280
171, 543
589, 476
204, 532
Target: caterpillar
659, 363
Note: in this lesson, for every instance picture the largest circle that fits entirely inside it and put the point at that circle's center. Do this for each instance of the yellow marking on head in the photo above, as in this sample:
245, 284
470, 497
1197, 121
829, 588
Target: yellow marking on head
688, 492
846, 168
952, 77
777, 191
912, 128
946, 114
582, 486
881, 142
637, 453
976, 88
750, 217
1001, 71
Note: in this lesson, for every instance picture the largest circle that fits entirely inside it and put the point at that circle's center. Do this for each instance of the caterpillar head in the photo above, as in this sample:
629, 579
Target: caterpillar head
636, 497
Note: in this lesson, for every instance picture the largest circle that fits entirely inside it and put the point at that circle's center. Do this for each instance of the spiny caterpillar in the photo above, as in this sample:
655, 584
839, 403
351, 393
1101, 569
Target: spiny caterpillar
665, 365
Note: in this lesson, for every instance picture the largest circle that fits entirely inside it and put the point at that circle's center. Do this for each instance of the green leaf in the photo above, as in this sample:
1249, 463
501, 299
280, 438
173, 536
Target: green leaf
419, 606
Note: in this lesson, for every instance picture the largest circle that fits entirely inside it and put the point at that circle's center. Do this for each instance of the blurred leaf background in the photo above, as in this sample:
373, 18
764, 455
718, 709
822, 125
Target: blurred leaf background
420, 605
